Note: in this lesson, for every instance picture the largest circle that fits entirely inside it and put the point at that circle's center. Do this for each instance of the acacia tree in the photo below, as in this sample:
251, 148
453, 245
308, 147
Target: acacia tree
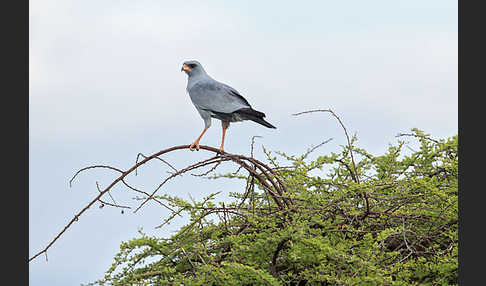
361, 220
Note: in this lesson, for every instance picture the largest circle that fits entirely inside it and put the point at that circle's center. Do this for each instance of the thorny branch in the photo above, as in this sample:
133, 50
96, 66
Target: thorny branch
265, 175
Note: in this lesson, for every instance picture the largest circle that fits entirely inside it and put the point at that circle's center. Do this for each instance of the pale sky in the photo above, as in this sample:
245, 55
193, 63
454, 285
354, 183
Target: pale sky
105, 84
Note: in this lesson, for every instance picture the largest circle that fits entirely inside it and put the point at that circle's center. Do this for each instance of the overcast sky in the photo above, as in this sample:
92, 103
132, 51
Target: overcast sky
105, 84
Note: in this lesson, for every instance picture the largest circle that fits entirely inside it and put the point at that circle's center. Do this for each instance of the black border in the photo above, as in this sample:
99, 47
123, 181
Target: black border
15, 135
471, 145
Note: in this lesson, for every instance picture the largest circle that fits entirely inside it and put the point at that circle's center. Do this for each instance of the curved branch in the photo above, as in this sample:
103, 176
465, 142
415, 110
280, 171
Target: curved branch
221, 156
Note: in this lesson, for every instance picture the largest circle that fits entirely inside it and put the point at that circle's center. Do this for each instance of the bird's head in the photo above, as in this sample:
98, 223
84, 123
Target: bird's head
192, 68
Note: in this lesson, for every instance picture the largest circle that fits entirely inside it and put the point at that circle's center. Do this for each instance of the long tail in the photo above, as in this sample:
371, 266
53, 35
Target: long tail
255, 116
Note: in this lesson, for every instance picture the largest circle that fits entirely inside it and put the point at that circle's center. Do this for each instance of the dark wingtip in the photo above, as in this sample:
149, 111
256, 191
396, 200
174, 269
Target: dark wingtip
254, 115
266, 124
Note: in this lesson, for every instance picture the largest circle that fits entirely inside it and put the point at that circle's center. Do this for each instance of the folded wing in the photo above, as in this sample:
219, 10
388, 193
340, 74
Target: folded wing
214, 96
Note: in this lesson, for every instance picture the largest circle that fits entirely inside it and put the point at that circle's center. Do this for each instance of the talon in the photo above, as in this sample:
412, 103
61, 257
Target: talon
192, 146
196, 143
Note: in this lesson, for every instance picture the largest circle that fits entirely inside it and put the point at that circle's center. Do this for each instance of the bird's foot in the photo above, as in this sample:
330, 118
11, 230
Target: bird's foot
221, 150
194, 144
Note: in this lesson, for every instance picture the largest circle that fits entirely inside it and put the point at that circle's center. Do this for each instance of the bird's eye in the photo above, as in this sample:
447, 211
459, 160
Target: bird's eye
192, 65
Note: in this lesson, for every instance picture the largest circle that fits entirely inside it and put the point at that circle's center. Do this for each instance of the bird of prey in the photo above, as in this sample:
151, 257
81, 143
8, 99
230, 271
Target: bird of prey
214, 99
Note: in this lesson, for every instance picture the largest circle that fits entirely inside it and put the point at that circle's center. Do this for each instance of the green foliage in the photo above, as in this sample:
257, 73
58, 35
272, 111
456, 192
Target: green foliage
393, 224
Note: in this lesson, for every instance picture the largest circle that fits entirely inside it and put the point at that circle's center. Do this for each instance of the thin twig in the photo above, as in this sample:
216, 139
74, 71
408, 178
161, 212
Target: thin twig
350, 147
418, 136
253, 143
147, 194
93, 167
314, 148
158, 158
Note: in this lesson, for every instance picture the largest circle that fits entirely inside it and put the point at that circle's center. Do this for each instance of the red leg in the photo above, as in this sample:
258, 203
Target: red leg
196, 143
221, 149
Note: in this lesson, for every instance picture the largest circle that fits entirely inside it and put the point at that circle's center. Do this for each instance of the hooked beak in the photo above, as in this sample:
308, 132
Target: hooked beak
185, 68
